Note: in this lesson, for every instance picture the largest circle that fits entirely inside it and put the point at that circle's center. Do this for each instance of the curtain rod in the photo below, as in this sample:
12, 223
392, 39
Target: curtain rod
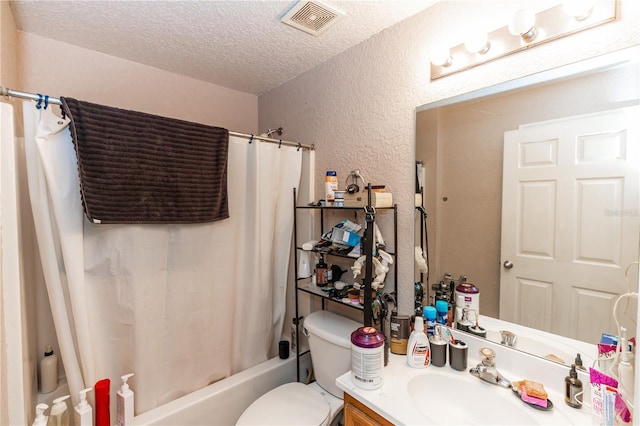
4, 91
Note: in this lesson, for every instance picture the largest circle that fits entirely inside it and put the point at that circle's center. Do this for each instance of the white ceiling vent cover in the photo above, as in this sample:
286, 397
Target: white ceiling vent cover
313, 17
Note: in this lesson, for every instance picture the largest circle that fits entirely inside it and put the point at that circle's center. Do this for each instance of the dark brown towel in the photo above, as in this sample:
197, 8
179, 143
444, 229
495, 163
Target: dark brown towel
142, 168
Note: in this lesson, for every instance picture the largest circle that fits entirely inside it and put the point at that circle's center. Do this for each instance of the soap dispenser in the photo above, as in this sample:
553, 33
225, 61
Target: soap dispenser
125, 402
573, 389
59, 415
41, 419
83, 413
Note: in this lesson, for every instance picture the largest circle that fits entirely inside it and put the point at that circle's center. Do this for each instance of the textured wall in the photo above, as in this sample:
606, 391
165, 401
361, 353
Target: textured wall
59, 69
358, 108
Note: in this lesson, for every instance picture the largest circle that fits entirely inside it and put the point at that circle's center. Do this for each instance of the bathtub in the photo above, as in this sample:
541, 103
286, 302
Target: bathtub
223, 402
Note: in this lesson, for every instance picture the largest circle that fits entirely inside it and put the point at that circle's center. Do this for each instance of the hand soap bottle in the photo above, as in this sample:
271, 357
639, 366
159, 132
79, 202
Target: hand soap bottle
59, 415
125, 403
418, 349
83, 413
41, 419
573, 387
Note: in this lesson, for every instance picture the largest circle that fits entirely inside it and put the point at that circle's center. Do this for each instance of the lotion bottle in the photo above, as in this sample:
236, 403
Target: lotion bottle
83, 413
59, 415
125, 403
41, 419
418, 349
48, 371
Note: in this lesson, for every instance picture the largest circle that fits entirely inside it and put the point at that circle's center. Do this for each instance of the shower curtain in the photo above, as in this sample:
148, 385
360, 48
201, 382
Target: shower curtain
180, 306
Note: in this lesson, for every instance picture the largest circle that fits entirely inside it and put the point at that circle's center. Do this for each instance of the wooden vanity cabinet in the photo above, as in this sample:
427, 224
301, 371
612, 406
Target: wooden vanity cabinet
358, 414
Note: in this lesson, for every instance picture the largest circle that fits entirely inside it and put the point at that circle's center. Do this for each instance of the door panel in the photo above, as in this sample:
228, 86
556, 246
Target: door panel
570, 221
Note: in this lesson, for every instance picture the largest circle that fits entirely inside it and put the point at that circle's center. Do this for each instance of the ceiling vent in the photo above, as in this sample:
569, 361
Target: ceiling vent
313, 17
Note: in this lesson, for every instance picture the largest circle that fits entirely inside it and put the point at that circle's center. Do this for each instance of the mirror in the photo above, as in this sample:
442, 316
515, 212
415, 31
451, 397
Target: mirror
460, 143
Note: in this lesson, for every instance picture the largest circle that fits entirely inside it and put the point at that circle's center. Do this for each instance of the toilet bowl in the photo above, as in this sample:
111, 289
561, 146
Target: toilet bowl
320, 402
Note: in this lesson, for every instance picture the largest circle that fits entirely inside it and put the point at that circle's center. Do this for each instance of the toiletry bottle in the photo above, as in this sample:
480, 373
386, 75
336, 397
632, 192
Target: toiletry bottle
48, 371
578, 363
418, 349
625, 368
321, 272
330, 185
59, 415
442, 311
125, 402
430, 319
83, 413
103, 417
573, 386
41, 419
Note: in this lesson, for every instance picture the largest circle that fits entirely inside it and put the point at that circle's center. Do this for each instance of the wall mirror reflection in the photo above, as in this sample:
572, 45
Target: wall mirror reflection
531, 190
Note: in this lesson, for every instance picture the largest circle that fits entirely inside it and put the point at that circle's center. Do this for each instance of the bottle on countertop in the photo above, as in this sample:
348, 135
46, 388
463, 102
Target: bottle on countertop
83, 413
41, 419
59, 415
125, 402
573, 389
48, 371
418, 349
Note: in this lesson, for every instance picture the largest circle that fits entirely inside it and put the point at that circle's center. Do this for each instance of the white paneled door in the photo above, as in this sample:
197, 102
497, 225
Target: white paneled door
570, 221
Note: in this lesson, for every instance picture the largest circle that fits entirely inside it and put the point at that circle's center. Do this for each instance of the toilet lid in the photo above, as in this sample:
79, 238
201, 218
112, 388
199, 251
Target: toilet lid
289, 404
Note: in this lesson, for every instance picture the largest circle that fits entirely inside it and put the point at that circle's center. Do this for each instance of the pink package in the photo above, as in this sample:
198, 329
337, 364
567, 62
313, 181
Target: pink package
532, 399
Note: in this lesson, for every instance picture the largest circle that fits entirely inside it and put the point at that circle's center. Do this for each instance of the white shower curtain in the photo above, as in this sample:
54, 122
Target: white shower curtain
180, 306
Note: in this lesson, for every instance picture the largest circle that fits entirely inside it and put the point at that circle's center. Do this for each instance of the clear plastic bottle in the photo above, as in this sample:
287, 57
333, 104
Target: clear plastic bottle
59, 415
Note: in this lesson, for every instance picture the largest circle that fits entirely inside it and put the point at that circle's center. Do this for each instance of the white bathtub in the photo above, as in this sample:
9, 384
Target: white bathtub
223, 402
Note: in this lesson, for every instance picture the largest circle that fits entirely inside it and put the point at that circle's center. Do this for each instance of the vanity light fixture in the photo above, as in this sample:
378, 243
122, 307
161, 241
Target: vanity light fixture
526, 29
477, 42
523, 24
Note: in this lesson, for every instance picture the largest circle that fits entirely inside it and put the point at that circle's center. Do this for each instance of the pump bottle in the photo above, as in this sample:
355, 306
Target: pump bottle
573, 389
59, 415
41, 419
418, 349
83, 413
125, 402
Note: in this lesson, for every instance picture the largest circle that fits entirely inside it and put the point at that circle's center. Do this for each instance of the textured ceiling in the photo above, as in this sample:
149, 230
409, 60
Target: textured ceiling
241, 45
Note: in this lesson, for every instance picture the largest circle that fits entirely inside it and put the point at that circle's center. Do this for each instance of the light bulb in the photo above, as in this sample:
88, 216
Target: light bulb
477, 43
523, 24
441, 56
578, 9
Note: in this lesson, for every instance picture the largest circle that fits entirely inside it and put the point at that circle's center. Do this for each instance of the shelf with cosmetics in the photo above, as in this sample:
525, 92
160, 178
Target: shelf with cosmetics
344, 238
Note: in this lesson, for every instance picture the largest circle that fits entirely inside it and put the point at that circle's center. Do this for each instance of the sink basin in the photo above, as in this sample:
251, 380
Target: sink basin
476, 402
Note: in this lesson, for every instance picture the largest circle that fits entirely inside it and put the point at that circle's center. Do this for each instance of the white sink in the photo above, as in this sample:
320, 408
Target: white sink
484, 403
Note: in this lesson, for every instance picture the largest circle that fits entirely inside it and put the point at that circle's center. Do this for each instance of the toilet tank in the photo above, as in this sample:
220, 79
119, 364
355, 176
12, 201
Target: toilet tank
330, 345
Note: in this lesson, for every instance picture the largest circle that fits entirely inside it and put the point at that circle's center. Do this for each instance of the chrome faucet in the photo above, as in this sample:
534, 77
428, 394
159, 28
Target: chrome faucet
487, 371
508, 338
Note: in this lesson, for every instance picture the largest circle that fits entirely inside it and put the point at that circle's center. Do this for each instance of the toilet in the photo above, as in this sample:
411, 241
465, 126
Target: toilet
319, 403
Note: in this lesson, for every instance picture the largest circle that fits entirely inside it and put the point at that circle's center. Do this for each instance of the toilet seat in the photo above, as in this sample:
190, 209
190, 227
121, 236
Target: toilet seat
289, 404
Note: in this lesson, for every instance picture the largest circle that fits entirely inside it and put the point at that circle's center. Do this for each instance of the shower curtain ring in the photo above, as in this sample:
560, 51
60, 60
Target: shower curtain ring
251, 139
280, 144
299, 146
46, 101
39, 103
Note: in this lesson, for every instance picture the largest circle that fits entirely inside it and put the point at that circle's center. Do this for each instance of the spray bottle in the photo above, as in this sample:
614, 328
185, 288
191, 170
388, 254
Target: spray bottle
59, 415
83, 413
41, 419
125, 402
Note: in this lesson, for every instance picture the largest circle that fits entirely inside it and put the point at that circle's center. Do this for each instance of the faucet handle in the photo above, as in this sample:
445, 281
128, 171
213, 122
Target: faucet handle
488, 355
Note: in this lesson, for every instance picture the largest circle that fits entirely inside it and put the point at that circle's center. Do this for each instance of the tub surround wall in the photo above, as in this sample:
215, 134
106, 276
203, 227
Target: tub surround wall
358, 108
